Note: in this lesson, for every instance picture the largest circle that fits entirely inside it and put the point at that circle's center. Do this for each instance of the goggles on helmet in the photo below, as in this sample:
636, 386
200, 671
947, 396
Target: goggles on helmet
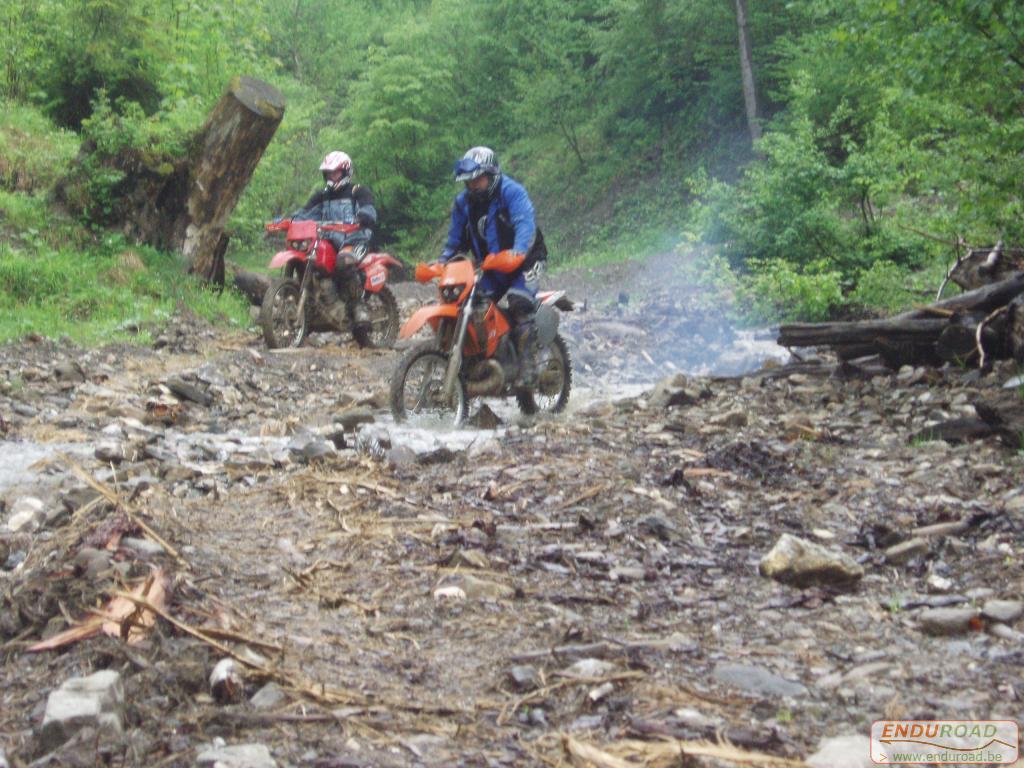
468, 169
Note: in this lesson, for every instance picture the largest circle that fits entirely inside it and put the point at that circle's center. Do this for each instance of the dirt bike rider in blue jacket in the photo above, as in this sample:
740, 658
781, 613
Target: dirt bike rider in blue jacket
343, 202
494, 213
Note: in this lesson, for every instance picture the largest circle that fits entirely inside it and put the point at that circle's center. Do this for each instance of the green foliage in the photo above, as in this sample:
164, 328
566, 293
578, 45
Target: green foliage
777, 290
33, 153
623, 117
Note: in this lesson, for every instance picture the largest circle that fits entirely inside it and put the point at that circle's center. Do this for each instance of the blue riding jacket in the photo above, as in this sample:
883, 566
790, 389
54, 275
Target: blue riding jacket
509, 224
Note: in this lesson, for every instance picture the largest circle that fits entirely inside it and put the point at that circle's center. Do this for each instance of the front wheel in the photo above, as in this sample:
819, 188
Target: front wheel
554, 380
382, 331
417, 387
279, 315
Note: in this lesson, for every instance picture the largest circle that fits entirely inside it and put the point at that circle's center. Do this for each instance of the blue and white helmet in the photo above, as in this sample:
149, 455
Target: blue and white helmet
476, 162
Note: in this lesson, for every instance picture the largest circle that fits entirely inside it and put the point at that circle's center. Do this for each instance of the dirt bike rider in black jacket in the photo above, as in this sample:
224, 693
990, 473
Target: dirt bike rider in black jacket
344, 202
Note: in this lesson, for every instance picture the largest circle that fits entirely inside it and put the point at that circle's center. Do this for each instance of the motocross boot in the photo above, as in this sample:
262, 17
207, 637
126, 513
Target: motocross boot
527, 348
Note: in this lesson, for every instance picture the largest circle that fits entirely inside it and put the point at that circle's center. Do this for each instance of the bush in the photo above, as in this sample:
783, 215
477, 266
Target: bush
776, 290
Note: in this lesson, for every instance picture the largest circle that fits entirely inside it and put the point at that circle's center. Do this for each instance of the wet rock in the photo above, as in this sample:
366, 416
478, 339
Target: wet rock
90, 562
143, 548
675, 391
906, 551
96, 701
27, 514
306, 448
658, 526
590, 668
1005, 611
237, 756
69, 370
110, 452
186, 390
735, 418
476, 588
852, 751
757, 680
470, 558
803, 563
351, 418
524, 678
946, 621
695, 719
268, 697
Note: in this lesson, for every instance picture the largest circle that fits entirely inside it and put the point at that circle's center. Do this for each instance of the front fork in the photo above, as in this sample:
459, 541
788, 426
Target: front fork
307, 277
451, 374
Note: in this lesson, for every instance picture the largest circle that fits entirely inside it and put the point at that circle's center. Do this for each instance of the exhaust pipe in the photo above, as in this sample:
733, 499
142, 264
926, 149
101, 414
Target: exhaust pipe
491, 384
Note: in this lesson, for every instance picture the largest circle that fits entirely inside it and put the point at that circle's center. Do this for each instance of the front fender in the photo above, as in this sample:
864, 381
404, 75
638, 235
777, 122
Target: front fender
432, 314
283, 257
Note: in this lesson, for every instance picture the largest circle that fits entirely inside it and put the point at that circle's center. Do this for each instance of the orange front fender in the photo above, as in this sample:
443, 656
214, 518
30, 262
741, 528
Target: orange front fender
432, 314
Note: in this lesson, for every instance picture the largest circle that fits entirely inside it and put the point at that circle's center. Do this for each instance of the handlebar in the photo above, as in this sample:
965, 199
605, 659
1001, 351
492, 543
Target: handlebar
283, 224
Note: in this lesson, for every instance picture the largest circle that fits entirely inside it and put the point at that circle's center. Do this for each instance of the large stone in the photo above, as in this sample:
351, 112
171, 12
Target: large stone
478, 589
1006, 611
96, 702
26, 515
946, 621
675, 391
905, 551
803, 563
757, 680
842, 752
351, 418
237, 756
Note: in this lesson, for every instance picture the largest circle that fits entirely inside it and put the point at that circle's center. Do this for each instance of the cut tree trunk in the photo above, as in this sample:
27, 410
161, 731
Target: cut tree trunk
186, 208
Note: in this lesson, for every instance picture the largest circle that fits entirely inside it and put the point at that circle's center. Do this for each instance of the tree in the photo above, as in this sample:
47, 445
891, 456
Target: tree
747, 71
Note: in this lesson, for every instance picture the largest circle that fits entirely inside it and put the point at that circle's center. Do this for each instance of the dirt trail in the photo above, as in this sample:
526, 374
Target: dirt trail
589, 579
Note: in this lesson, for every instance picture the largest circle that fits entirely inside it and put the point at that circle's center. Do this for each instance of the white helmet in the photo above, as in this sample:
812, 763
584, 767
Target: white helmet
476, 161
337, 161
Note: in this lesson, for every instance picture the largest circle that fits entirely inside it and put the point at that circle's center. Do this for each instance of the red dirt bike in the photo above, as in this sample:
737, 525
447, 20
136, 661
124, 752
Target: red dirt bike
305, 299
473, 353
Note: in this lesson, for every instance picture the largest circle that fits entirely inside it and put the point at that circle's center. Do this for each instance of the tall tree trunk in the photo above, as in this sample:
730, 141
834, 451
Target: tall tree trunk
747, 70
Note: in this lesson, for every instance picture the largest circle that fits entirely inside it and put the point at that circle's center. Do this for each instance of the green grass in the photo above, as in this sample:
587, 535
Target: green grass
110, 292
33, 153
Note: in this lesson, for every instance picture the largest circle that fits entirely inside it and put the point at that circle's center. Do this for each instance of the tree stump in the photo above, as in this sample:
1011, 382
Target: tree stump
184, 208
226, 153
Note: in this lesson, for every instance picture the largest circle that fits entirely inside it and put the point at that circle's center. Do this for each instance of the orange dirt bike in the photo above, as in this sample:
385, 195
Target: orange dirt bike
305, 297
473, 353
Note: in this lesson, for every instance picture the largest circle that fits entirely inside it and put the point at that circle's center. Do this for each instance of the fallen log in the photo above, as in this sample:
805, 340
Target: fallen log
978, 326
860, 332
253, 285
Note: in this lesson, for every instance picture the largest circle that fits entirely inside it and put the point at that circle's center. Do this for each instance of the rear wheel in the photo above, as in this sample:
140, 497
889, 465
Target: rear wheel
417, 388
383, 328
554, 380
279, 315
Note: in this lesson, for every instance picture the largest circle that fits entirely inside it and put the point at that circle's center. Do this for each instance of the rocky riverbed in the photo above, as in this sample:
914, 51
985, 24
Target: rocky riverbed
743, 569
